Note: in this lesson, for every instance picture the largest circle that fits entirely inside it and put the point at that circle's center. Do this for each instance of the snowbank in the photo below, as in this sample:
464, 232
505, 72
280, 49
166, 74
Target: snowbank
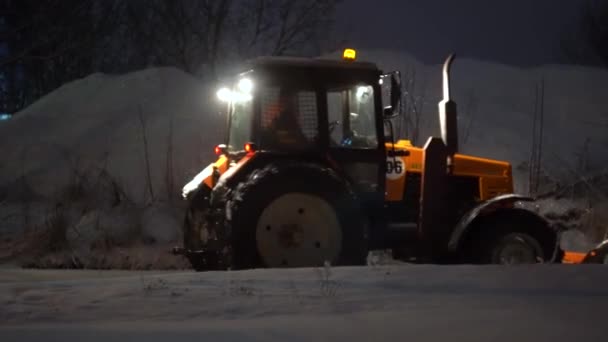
98, 124
99, 163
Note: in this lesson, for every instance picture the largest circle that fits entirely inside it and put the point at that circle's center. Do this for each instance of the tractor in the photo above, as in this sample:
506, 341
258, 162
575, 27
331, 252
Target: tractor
310, 173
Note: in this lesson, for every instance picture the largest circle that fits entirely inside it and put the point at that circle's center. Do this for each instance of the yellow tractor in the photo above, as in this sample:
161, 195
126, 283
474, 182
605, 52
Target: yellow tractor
310, 173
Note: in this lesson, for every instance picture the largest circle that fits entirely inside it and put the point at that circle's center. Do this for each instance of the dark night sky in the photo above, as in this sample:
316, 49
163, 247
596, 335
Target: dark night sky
519, 32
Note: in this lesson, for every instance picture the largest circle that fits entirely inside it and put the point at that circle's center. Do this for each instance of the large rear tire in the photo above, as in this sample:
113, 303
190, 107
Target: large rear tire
295, 215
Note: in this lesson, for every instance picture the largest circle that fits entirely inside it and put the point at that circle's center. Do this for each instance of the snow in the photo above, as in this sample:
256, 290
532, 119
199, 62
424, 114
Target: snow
421, 303
93, 125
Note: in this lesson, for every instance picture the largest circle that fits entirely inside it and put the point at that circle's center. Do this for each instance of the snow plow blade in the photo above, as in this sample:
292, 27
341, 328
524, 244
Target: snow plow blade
573, 257
598, 255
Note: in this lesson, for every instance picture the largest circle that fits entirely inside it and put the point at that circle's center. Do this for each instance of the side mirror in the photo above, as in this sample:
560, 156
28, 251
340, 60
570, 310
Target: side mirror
394, 94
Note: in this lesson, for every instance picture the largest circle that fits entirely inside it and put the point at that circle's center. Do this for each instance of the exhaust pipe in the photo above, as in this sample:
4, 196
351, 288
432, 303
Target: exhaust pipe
448, 117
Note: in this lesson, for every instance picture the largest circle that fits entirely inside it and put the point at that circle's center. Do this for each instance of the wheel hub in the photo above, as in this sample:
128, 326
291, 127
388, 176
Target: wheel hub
298, 230
290, 235
515, 255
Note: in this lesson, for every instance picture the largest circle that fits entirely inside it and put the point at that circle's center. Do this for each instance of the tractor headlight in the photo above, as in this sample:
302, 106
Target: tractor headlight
242, 94
224, 94
245, 86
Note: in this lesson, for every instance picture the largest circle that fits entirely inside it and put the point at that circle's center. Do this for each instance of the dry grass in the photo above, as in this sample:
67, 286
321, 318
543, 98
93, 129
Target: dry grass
67, 238
138, 257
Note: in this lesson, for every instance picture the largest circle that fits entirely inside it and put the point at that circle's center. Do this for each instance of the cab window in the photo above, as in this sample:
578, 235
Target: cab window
351, 117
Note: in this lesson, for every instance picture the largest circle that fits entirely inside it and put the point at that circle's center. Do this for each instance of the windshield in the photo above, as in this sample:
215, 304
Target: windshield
362, 112
241, 115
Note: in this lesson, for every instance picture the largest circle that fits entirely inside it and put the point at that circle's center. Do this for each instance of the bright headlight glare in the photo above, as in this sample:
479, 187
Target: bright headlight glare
245, 85
225, 95
240, 97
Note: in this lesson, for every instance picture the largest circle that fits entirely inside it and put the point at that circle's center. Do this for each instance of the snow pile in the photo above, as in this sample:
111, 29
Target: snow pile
110, 125
106, 157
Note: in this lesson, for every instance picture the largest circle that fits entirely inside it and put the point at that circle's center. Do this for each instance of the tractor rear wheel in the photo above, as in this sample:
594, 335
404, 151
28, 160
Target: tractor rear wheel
295, 215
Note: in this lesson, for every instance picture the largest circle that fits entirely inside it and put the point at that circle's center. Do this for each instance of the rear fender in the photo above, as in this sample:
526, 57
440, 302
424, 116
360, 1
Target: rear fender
487, 206
258, 160
207, 177
251, 162
500, 208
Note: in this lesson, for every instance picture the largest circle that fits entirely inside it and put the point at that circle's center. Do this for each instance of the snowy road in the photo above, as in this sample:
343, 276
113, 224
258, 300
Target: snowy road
417, 303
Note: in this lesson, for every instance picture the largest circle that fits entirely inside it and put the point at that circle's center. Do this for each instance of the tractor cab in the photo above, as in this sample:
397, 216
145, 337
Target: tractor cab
326, 110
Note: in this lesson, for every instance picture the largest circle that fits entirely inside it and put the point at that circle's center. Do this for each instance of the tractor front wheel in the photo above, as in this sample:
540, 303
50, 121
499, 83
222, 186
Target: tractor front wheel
514, 248
197, 234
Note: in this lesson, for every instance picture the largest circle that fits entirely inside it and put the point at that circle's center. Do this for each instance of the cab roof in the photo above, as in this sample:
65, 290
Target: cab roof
316, 63
308, 71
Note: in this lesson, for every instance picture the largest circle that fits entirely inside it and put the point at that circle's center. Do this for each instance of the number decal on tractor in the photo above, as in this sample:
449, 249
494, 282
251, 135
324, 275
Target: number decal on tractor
395, 168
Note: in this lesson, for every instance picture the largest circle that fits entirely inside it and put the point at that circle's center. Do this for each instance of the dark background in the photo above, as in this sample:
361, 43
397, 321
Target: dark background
517, 32
47, 43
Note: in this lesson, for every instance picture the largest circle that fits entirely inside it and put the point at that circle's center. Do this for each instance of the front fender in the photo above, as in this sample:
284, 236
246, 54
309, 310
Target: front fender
206, 177
491, 204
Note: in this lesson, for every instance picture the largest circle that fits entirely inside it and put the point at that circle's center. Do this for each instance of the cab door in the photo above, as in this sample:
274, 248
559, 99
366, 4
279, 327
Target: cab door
354, 139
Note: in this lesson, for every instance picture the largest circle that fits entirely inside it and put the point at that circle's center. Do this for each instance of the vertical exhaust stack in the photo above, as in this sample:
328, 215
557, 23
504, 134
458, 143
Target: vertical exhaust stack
448, 120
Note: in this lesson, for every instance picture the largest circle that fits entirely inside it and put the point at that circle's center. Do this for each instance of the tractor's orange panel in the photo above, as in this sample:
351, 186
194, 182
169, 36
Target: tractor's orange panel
494, 175
222, 165
395, 181
573, 257
394, 189
490, 187
231, 170
480, 167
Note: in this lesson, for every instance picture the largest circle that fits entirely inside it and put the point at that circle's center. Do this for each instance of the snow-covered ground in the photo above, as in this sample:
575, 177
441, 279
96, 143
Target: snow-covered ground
394, 302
